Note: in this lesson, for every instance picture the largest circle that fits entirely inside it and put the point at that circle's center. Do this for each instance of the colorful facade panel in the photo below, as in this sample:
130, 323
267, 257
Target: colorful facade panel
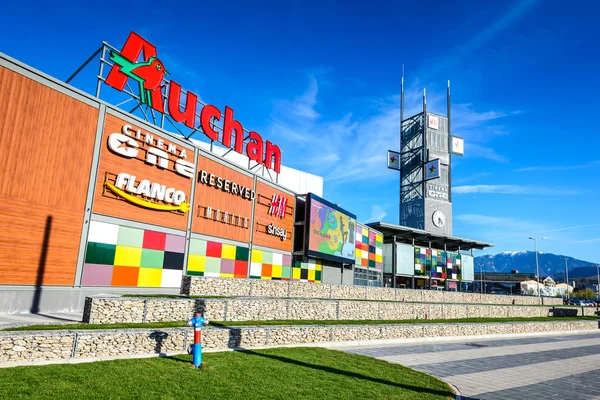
310, 271
217, 260
369, 248
437, 264
268, 265
123, 256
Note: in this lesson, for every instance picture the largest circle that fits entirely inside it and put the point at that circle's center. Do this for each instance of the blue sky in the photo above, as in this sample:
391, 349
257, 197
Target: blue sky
321, 79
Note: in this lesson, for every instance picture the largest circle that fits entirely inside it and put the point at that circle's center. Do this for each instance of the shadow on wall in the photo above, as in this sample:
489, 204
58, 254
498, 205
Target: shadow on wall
160, 338
35, 304
39, 280
564, 312
200, 306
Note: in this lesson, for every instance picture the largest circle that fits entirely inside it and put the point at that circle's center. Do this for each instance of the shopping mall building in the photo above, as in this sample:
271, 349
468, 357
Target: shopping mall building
101, 198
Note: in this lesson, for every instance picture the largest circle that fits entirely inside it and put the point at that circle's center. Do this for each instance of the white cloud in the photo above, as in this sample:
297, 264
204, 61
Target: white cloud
466, 116
594, 240
476, 150
351, 148
304, 106
498, 222
513, 189
469, 178
493, 29
569, 228
559, 167
377, 213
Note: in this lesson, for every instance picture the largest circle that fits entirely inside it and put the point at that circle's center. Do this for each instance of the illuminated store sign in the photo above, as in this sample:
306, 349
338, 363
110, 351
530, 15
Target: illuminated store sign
223, 216
157, 151
149, 74
125, 187
225, 185
276, 231
278, 206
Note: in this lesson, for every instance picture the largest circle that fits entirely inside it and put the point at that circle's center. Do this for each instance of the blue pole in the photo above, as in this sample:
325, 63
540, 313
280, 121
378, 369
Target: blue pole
197, 355
197, 321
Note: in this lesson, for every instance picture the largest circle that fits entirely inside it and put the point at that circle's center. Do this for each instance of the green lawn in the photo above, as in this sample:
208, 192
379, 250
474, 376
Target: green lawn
178, 324
298, 373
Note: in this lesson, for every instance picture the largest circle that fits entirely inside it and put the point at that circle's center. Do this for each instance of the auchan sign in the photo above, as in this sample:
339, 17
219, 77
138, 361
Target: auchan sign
149, 72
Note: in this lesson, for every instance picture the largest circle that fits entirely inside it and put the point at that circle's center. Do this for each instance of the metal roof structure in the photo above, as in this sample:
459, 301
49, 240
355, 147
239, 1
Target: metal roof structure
420, 237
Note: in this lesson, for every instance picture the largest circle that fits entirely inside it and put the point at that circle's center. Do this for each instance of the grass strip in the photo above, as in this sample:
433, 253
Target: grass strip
185, 297
179, 324
291, 373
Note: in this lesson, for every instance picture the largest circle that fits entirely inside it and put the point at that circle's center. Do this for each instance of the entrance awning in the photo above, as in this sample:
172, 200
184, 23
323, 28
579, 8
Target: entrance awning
422, 238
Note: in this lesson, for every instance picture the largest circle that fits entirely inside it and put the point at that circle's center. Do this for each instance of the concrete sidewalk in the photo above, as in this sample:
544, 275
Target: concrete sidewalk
15, 320
559, 366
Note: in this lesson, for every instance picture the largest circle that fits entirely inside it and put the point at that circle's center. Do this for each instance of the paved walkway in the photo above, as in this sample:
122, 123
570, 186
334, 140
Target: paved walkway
10, 320
561, 366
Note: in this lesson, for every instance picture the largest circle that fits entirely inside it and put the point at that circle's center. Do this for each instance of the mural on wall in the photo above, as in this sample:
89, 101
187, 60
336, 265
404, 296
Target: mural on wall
270, 265
122, 256
369, 248
307, 272
217, 260
437, 264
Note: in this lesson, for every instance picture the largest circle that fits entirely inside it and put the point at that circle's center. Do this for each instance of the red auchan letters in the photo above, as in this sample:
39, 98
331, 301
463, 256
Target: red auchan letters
262, 152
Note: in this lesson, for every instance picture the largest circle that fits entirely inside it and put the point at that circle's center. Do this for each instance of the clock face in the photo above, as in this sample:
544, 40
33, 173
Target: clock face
439, 219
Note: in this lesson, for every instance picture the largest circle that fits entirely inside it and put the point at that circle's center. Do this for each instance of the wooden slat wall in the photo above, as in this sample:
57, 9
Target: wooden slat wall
46, 146
105, 202
264, 194
218, 199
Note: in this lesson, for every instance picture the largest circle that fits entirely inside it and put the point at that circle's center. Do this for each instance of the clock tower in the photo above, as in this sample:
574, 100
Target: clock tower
427, 204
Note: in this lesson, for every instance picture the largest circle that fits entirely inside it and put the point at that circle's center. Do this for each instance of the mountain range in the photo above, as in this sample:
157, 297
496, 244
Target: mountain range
524, 261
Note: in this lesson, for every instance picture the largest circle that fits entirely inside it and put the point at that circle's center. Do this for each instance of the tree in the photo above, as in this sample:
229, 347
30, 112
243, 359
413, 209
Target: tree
584, 293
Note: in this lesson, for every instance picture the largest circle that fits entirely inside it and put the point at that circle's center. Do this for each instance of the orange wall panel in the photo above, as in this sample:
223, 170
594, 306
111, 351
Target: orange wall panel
262, 218
208, 195
46, 142
111, 164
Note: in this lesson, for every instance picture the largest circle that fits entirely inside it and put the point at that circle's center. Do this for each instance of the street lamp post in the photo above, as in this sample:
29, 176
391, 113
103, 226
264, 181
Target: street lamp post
598, 281
567, 275
537, 267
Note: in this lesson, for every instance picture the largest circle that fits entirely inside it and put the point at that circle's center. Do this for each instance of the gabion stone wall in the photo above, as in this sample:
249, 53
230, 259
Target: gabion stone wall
236, 287
18, 348
101, 310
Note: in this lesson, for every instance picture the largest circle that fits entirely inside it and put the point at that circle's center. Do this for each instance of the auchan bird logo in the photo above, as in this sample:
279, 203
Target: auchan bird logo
138, 60
148, 74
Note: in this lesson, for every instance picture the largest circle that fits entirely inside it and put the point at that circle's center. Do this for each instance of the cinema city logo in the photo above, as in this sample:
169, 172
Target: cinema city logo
133, 143
149, 74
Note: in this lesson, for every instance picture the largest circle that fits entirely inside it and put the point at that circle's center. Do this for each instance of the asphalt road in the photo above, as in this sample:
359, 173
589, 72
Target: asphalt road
558, 366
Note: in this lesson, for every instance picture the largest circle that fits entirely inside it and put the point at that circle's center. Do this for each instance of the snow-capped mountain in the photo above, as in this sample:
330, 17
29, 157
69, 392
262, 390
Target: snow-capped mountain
524, 261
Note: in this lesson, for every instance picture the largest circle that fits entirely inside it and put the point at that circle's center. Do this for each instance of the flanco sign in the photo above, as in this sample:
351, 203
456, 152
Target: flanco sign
174, 199
149, 73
